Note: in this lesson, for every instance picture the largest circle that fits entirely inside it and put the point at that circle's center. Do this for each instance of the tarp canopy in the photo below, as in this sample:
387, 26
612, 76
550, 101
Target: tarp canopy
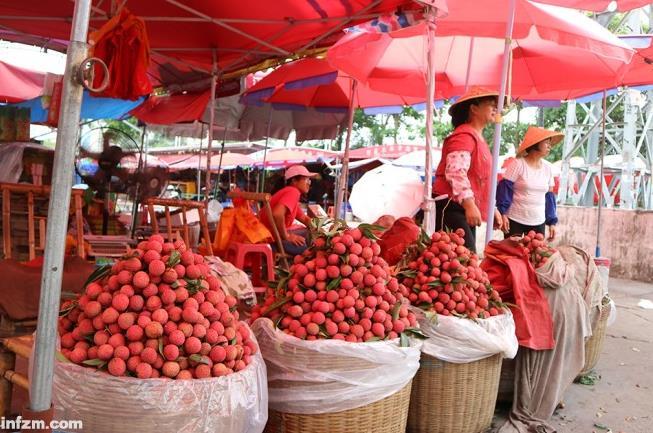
18, 84
92, 108
239, 122
385, 151
598, 5
287, 156
185, 36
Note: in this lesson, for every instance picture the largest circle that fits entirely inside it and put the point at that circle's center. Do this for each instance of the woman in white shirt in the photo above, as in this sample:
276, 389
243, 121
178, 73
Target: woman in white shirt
525, 196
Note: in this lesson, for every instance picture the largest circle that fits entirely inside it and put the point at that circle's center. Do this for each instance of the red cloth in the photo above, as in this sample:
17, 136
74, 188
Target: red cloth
166, 110
513, 276
123, 45
397, 238
465, 138
21, 286
289, 197
18, 84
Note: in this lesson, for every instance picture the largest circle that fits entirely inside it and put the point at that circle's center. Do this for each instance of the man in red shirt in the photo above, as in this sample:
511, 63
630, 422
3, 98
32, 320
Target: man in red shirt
286, 209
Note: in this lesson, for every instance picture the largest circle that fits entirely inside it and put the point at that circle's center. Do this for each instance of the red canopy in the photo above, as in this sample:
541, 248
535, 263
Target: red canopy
598, 5
167, 110
19, 84
183, 35
313, 82
568, 51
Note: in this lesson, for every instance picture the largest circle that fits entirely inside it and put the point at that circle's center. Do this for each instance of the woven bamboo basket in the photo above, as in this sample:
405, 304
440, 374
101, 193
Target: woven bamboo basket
384, 416
507, 381
454, 398
594, 344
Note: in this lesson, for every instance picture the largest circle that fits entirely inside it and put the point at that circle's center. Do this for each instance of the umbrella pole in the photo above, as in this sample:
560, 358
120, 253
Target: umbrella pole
64, 157
217, 184
469, 63
498, 124
214, 79
199, 165
142, 164
597, 252
344, 170
428, 204
261, 175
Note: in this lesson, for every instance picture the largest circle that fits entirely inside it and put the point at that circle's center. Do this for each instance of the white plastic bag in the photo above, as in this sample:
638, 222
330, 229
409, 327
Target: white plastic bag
236, 403
324, 376
234, 281
458, 340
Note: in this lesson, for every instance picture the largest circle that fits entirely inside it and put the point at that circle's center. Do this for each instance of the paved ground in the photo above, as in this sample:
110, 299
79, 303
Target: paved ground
622, 400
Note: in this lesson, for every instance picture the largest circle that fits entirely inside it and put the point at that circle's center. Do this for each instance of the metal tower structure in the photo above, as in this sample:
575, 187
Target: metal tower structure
626, 150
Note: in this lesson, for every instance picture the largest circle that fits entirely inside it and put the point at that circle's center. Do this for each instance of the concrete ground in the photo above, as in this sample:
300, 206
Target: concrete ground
622, 400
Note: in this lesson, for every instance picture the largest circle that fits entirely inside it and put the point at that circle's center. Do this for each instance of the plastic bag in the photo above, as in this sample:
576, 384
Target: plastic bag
239, 224
234, 281
458, 340
325, 376
236, 403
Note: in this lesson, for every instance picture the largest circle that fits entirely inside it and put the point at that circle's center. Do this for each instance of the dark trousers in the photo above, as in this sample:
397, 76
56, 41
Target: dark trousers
449, 215
294, 250
519, 229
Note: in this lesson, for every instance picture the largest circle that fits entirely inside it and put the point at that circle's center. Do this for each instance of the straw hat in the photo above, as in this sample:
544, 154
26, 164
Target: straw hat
474, 93
535, 135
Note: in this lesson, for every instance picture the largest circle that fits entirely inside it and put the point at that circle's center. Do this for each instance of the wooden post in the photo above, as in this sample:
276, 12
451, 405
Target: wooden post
79, 223
30, 225
185, 226
168, 223
205, 229
153, 220
6, 222
7, 363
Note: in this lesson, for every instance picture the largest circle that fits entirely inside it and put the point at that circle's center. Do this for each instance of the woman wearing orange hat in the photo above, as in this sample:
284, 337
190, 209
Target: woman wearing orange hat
461, 179
524, 195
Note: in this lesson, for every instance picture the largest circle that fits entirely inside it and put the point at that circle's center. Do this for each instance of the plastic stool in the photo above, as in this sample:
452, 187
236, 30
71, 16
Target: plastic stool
238, 254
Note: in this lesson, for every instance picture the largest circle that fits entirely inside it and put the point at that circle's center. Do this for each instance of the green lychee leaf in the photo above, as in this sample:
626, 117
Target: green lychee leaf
60, 357
175, 259
403, 340
334, 283
395, 311
416, 332
96, 362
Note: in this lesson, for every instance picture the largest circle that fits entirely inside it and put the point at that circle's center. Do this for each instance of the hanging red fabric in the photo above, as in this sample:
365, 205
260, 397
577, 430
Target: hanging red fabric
513, 276
123, 45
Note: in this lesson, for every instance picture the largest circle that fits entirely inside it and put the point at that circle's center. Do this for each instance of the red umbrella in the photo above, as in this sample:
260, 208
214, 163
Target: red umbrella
19, 84
412, 72
312, 82
598, 5
539, 64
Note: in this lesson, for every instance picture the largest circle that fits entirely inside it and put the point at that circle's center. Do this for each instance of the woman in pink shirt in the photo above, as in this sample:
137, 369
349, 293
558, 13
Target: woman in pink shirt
286, 209
525, 194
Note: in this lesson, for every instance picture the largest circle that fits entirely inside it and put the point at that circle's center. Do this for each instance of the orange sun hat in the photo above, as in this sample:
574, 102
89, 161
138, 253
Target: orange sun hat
535, 135
474, 93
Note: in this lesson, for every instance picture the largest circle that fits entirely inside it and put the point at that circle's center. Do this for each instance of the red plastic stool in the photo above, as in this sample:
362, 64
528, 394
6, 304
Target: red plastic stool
238, 253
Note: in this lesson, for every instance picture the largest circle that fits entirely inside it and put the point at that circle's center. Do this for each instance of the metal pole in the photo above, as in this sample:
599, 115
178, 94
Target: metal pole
428, 204
602, 153
64, 158
217, 184
214, 78
469, 61
199, 165
140, 168
344, 170
499, 124
260, 179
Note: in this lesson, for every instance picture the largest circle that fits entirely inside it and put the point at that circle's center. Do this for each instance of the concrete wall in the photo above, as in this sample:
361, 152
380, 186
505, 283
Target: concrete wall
626, 238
